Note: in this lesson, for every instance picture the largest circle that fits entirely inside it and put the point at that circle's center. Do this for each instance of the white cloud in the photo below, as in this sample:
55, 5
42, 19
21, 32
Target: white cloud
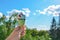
1, 14
53, 9
34, 13
13, 11
7, 16
25, 11
41, 12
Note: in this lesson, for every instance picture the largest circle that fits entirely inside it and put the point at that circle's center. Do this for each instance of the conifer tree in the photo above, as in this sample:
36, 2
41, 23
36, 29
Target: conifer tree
53, 29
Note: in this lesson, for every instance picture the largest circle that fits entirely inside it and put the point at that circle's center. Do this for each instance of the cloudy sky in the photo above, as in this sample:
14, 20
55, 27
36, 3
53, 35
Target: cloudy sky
38, 13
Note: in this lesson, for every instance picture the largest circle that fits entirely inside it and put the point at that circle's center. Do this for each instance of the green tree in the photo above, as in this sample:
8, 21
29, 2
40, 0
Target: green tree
33, 34
53, 29
6, 26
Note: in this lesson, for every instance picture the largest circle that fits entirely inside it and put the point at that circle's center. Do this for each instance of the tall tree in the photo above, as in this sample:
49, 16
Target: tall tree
53, 29
58, 29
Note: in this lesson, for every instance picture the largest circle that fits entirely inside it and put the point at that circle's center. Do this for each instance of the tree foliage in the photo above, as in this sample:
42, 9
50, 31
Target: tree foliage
33, 34
7, 26
55, 30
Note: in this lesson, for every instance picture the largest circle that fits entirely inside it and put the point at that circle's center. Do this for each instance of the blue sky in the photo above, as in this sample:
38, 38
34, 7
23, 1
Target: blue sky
39, 12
